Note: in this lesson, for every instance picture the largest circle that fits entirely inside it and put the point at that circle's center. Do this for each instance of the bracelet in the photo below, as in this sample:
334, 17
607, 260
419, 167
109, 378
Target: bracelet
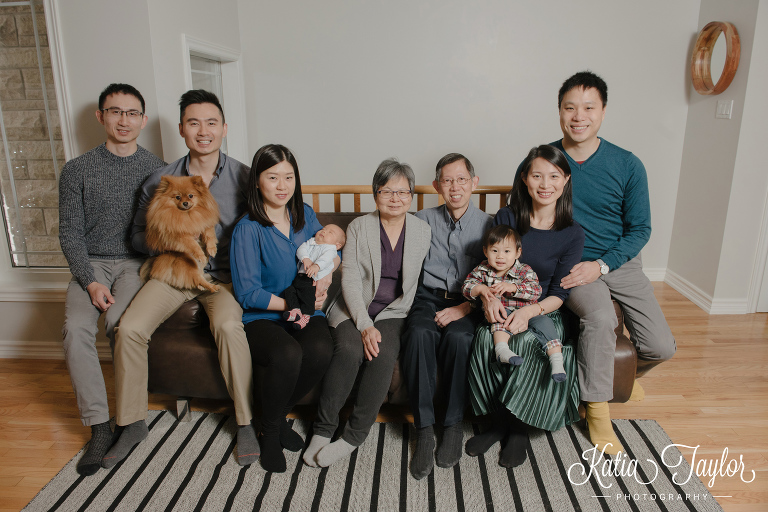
542, 308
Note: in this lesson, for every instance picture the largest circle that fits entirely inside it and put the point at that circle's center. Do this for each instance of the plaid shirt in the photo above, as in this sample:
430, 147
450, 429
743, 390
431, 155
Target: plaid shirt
528, 287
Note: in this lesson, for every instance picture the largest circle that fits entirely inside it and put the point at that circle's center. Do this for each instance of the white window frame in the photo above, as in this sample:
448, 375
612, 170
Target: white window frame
232, 84
24, 284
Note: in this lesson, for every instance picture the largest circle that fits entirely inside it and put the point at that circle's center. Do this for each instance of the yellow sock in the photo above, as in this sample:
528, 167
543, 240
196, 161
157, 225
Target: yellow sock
600, 428
638, 393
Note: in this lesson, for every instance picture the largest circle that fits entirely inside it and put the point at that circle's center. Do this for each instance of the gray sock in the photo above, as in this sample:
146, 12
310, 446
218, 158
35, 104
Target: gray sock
131, 435
247, 445
505, 355
335, 451
423, 458
449, 452
101, 440
315, 445
558, 370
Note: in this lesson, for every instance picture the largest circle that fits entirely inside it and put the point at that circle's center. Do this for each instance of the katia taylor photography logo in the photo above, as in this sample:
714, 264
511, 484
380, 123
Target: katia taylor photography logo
600, 468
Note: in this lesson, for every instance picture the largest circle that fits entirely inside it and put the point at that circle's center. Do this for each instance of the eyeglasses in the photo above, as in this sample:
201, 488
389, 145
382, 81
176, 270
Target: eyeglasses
116, 112
461, 180
387, 194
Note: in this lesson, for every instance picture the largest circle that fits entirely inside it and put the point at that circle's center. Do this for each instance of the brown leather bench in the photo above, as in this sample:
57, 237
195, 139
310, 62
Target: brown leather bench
183, 359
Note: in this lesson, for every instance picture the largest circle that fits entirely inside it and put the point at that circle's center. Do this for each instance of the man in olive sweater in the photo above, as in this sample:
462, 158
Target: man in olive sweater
98, 196
611, 203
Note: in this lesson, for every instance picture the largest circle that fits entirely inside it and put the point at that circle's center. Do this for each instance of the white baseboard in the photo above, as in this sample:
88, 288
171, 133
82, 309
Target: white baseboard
655, 274
703, 299
44, 350
689, 290
729, 307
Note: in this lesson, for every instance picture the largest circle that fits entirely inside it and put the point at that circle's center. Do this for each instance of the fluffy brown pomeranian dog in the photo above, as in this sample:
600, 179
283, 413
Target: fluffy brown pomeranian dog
181, 222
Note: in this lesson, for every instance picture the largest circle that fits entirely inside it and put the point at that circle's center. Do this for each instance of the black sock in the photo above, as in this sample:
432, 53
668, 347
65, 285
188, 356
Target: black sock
101, 441
494, 433
272, 457
423, 458
481, 443
289, 438
449, 452
515, 451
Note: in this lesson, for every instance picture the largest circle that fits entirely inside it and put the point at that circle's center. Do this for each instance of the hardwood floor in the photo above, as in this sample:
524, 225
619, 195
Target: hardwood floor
712, 394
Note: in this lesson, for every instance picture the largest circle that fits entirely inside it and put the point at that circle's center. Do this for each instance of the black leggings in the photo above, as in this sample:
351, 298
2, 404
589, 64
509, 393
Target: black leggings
292, 361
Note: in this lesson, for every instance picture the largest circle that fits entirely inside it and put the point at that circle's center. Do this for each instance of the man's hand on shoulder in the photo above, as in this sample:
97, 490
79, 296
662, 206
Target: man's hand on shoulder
100, 296
582, 273
448, 315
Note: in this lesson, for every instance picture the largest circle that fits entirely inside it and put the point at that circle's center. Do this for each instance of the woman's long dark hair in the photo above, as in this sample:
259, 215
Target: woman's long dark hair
266, 157
520, 201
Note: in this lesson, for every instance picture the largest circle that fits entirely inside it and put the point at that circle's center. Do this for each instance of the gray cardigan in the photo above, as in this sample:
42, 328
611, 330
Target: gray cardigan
361, 270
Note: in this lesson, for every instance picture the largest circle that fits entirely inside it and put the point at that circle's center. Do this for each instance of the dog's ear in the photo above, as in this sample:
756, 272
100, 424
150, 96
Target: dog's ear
165, 182
198, 181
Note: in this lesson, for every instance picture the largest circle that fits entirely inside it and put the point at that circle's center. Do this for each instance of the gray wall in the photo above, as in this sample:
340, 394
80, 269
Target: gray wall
709, 189
215, 23
97, 54
345, 84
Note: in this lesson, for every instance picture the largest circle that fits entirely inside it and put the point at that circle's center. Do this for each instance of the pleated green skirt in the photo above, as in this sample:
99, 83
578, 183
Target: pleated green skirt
528, 390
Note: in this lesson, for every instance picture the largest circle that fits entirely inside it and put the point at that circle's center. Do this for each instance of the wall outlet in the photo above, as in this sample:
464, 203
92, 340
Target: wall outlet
724, 109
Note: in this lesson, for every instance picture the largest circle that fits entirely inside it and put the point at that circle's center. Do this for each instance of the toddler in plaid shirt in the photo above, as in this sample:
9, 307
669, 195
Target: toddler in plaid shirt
516, 285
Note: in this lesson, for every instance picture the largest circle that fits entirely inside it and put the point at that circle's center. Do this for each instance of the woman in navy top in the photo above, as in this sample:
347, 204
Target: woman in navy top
263, 263
540, 209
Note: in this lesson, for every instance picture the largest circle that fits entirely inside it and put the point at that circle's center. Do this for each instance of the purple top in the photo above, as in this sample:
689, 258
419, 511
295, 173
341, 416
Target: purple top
391, 282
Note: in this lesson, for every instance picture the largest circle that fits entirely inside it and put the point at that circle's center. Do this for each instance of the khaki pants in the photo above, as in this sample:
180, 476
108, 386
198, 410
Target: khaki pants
154, 303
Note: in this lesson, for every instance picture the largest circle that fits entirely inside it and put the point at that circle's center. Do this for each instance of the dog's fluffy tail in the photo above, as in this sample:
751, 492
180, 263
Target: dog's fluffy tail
178, 270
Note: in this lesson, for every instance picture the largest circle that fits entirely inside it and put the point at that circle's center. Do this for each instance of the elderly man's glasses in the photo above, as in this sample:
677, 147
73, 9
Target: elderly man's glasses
461, 180
387, 194
116, 112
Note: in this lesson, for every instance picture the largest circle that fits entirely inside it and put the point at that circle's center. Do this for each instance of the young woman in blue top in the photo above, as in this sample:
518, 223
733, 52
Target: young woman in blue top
540, 209
263, 263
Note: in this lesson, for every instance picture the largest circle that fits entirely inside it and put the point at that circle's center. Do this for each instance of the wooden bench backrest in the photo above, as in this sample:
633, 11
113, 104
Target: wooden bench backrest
421, 190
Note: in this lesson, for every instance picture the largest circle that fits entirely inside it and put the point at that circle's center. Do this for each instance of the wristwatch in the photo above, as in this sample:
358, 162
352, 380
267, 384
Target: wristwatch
603, 267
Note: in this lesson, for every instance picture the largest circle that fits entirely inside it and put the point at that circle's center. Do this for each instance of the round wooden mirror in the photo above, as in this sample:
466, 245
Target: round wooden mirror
701, 63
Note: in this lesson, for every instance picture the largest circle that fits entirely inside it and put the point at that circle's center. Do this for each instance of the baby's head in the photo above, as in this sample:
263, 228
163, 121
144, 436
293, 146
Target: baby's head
502, 246
332, 235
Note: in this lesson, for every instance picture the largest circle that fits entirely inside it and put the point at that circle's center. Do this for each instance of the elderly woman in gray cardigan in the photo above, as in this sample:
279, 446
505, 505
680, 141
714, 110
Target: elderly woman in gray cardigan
380, 271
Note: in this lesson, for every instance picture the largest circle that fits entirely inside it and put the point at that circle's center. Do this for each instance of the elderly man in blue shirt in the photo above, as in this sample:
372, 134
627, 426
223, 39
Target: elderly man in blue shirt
441, 323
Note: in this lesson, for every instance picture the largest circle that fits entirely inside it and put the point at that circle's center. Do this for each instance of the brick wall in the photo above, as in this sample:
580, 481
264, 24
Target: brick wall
28, 139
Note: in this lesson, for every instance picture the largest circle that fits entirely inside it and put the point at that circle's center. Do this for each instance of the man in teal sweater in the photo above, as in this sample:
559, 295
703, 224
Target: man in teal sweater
610, 201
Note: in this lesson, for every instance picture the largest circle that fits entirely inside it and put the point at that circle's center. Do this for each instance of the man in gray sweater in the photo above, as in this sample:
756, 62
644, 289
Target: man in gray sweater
98, 196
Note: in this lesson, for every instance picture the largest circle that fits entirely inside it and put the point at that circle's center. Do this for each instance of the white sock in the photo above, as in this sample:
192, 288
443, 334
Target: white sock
335, 451
505, 355
558, 370
315, 445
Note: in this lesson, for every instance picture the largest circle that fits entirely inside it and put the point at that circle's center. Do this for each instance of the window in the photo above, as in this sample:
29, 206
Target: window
206, 74
218, 69
32, 151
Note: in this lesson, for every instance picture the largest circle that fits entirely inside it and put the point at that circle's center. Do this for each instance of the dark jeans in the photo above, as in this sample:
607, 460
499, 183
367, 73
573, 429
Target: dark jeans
294, 361
427, 347
348, 360
543, 328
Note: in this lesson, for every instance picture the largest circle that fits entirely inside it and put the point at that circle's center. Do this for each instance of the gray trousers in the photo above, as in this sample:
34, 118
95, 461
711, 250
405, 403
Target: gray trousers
648, 329
80, 328
348, 359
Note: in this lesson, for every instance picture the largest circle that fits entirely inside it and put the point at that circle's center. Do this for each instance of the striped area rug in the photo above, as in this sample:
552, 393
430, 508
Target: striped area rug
190, 466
